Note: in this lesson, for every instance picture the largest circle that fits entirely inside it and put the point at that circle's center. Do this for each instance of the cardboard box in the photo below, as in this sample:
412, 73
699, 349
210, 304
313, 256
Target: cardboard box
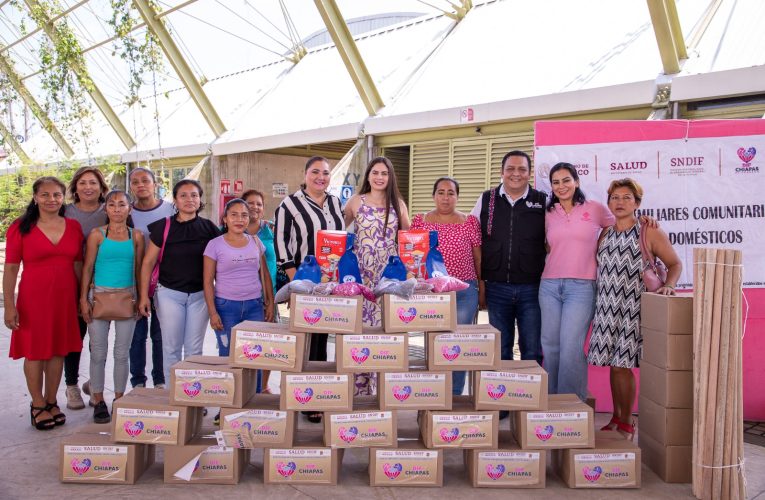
144, 416
330, 246
408, 465
506, 467
567, 423
413, 247
259, 424
202, 461
361, 429
373, 351
431, 312
90, 457
459, 428
613, 463
669, 352
671, 314
267, 346
415, 390
671, 389
210, 381
316, 391
517, 385
671, 463
331, 314
471, 347
669, 426
308, 462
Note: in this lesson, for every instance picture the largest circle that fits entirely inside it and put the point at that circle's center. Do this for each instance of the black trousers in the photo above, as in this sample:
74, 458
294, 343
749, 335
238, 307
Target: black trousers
72, 360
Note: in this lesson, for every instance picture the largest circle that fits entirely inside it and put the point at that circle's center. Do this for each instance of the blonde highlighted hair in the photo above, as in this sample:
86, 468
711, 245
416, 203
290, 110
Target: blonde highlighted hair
630, 184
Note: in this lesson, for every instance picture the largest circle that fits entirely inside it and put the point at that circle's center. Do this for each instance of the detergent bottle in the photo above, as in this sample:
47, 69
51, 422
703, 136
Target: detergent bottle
348, 266
434, 262
395, 269
308, 270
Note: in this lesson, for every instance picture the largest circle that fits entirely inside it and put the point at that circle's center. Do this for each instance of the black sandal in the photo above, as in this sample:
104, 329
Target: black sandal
42, 425
314, 418
60, 417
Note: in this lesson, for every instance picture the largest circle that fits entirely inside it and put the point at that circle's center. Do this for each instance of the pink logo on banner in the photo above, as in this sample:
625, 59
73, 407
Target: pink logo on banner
746, 155
349, 434
392, 470
450, 353
402, 393
593, 474
80, 467
133, 429
286, 469
495, 471
252, 351
543, 433
449, 435
360, 355
407, 315
192, 390
312, 317
495, 392
303, 396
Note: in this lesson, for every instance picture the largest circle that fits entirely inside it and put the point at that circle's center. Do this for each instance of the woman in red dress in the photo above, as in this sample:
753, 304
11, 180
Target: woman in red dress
44, 318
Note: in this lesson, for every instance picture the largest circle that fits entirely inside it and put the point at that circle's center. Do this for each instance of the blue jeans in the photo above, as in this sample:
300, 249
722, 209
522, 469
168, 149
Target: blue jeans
138, 350
233, 312
568, 305
467, 314
184, 321
507, 303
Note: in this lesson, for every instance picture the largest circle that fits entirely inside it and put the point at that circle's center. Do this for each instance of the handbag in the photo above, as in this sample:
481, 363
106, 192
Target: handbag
154, 279
114, 305
654, 270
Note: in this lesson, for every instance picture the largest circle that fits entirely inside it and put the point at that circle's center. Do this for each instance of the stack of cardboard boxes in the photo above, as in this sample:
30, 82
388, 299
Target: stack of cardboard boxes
666, 385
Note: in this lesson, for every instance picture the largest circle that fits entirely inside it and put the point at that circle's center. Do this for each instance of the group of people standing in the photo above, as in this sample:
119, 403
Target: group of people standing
553, 265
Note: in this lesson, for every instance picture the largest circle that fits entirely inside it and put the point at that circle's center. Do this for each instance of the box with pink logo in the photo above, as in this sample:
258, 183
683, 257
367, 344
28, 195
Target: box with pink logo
567, 423
462, 427
372, 351
516, 385
410, 464
144, 416
316, 391
210, 381
506, 467
427, 312
203, 461
90, 457
360, 429
258, 424
470, 347
325, 314
614, 462
267, 346
308, 462
415, 390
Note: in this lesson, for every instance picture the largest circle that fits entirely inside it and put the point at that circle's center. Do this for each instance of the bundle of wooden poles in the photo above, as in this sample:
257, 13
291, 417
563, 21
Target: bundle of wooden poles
718, 422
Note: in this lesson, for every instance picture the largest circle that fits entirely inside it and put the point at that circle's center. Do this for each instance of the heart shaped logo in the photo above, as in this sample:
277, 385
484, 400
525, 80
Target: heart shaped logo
192, 390
286, 469
402, 393
746, 155
80, 467
133, 429
593, 474
196, 466
449, 435
303, 396
495, 392
392, 470
495, 471
359, 355
252, 351
543, 433
349, 434
407, 315
311, 317
450, 353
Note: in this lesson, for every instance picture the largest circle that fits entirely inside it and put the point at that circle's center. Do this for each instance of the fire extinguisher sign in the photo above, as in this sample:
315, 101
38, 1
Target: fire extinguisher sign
225, 186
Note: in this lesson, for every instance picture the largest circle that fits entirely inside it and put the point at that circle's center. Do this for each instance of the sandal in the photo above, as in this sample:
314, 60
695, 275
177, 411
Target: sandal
314, 418
626, 430
42, 425
611, 425
59, 418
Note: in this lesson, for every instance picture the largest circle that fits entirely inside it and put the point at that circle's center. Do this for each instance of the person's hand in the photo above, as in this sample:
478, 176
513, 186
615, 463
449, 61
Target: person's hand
647, 220
666, 290
85, 311
481, 296
11, 317
268, 311
144, 307
215, 322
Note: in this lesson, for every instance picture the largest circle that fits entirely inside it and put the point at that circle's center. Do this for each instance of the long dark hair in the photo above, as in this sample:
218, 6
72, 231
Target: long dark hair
308, 164
224, 227
579, 197
76, 178
189, 182
111, 194
32, 214
392, 195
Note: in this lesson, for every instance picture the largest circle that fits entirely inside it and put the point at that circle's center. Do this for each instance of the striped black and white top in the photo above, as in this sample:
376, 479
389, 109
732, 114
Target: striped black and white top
297, 220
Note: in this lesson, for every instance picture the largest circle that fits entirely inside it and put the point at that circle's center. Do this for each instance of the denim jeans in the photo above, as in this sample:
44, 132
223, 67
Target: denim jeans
184, 320
568, 306
467, 313
99, 348
508, 302
233, 312
143, 328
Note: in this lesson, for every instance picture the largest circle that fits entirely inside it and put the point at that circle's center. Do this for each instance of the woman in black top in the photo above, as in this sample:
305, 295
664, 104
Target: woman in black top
179, 298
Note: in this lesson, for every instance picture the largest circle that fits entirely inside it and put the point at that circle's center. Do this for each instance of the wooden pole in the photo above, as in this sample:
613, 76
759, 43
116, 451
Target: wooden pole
699, 280
739, 422
728, 357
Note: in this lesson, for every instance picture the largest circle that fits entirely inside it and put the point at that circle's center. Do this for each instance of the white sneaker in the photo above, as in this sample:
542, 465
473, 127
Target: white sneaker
74, 398
86, 390
159, 386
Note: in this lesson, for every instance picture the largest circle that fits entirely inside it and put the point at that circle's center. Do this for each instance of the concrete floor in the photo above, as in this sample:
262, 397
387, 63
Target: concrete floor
29, 461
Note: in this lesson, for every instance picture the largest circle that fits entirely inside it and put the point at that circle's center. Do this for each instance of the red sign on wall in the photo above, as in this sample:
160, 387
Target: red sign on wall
238, 186
225, 186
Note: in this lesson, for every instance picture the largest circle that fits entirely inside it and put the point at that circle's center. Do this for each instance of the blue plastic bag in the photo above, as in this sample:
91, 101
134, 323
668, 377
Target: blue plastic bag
348, 266
309, 270
395, 269
434, 262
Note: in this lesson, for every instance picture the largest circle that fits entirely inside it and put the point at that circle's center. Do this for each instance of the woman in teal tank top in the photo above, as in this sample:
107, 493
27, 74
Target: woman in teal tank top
112, 263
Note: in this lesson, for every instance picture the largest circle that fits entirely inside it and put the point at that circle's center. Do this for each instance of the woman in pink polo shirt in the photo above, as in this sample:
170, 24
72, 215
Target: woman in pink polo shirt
567, 290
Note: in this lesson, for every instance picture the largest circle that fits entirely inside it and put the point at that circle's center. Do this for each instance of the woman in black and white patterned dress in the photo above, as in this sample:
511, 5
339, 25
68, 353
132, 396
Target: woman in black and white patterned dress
616, 340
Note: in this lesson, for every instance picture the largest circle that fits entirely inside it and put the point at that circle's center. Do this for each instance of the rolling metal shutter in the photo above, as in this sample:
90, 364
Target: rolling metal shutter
429, 161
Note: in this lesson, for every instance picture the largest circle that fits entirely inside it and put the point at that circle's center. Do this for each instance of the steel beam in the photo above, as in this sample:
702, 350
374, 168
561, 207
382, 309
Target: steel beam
180, 65
662, 28
12, 143
7, 67
82, 74
350, 54
677, 29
